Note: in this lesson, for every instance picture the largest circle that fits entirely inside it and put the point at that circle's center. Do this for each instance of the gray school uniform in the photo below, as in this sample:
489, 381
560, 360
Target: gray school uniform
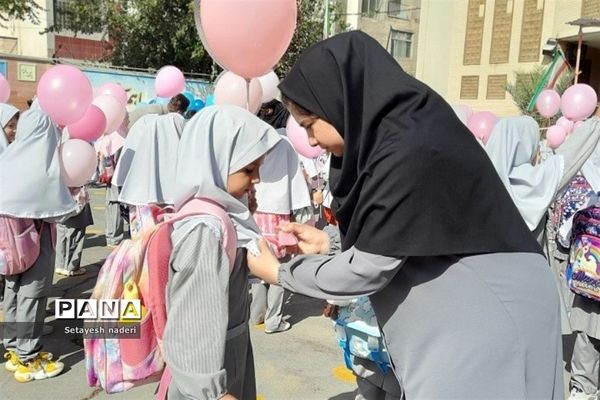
70, 239
476, 327
25, 298
206, 340
585, 363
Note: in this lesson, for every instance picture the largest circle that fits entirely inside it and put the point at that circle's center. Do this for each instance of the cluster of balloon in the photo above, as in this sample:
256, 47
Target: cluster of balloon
248, 52
577, 103
65, 94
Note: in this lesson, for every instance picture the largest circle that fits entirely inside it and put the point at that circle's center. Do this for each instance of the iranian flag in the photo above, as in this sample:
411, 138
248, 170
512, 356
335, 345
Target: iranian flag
550, 77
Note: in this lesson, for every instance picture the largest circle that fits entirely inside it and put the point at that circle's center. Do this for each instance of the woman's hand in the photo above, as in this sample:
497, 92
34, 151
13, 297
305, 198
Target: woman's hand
266, 265
310, 239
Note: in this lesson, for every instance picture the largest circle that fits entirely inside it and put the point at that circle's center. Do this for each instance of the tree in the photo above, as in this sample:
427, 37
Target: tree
19, 9
153, 33
309, 30
524, 88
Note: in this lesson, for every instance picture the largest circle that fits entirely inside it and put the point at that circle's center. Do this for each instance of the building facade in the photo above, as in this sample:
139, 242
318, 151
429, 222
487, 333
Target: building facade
470, 50
27, 50
393, 23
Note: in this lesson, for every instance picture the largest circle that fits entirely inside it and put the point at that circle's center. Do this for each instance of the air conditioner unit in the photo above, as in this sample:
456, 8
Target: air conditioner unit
550, 47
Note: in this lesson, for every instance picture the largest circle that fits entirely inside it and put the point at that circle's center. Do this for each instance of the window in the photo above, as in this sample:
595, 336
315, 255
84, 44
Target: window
401, 44
370, 7
397, 10
61, 16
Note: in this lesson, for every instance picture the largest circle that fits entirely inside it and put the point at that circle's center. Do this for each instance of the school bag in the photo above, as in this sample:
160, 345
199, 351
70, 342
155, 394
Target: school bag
583, 269
358, 334
140, 269
19, 245
575, 197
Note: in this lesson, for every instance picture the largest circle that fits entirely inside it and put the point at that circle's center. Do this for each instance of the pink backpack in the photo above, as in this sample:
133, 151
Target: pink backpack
19, 245
140, 268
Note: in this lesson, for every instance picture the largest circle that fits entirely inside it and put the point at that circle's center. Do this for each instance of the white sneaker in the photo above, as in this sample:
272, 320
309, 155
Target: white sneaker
283, 326
576, 394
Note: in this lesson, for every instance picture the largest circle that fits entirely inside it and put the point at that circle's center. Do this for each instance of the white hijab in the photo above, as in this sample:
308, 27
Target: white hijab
31, 185
512, 147
7, 112
282, 188
216, 142
591, 168
146, 168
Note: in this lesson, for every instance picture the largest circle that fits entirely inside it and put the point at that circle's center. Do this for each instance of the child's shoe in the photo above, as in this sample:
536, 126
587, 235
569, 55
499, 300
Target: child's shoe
40, 367
12, 361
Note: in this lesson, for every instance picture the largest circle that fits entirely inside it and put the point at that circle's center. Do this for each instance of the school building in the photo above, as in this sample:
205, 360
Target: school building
393, 23
26, 51
469, 50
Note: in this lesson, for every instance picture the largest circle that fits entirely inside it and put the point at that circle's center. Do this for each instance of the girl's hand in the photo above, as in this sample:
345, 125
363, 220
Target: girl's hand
310, 239
265, 266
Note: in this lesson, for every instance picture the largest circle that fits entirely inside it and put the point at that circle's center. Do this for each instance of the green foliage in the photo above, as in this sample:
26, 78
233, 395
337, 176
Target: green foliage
26, 10
309, 30
524, 88
152, 33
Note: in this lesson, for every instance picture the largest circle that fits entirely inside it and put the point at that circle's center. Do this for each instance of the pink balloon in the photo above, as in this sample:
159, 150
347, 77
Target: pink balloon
169, 81
269, 83
232, 89
4, 89
113, 111
578, 102
482, 124
64, 93
77, 162
114, 90
555, 136
299, 139
247, 37
548, 103
566, 124
577, 125
90, 127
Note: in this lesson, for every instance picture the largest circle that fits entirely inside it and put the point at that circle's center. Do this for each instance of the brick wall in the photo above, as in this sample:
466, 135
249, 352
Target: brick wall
21, 91
81, 49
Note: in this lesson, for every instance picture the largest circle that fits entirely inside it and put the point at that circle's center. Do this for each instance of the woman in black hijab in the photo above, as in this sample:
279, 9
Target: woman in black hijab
465, 299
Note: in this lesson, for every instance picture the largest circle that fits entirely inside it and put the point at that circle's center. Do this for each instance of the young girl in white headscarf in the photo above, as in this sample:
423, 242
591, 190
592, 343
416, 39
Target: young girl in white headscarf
146, 168
109, 150
206, 340
9, 116
32, 187
513, 147
281, 195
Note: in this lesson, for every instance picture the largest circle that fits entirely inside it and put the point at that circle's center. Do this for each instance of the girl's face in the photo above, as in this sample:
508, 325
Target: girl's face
242, 182
11, 129
320, 133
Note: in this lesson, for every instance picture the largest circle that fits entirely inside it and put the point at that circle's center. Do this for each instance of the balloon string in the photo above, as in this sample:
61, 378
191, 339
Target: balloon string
248, 94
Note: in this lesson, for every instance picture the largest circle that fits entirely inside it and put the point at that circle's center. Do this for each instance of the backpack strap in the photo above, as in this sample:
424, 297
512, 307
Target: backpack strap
202, 206
159, 254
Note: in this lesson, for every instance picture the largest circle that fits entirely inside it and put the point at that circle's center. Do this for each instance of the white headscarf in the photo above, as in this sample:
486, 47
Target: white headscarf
146, 168
511, 148
282, 186
7, 112
31, 185
216, 142
591, 168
